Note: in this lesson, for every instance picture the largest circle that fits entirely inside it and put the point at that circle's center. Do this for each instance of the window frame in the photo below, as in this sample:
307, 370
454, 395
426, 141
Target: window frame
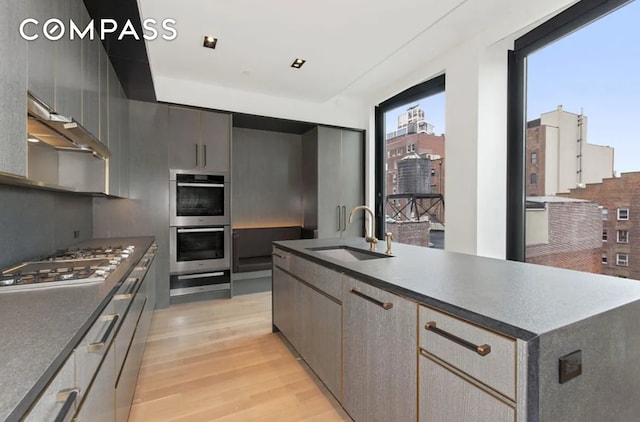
605, 258
573, 18
605, 235
605, 214
433, 86
626, 237
626, 210
620, 262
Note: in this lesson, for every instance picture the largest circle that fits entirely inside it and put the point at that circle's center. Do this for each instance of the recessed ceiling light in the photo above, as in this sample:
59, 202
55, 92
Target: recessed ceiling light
297, 63
32, 139
209, 41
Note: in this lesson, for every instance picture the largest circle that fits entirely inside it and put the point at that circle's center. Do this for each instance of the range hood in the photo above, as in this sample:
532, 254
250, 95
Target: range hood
60, 132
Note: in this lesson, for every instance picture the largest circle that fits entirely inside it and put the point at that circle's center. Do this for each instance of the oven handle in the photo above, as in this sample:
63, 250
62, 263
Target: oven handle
201, 185
203, 275
210, 230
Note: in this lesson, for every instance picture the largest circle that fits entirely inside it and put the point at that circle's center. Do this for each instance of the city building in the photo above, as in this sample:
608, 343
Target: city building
564, 233
619, 201
414, 138
558, 156
411, 121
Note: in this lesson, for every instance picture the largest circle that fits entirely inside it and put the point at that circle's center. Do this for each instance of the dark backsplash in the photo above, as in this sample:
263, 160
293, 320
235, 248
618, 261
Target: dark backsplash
35, 223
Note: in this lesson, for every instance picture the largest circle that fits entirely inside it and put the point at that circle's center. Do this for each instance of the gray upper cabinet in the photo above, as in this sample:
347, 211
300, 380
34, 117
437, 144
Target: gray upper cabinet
103, 96
13, 84
184, 138
90, 80
124, 144
216, 141
199, 139
68, 65
330, 211
113, 131
352, 180
379, 351
41, 56
340, 182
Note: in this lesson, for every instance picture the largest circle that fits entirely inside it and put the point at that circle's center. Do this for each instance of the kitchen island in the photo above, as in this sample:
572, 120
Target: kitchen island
514, 341
43, 327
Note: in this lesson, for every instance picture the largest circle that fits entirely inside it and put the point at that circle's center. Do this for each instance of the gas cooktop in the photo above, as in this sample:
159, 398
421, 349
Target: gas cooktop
69, 266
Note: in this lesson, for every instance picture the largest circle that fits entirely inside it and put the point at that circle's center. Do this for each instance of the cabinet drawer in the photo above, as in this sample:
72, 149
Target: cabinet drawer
281, 258
445, 396
60, 399
322, 278
93, 347
496, 369
128, 327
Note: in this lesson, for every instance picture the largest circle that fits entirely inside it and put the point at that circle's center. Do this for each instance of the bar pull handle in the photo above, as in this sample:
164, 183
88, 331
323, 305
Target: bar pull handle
196, 155
384, 305
344, 218
482, 350
202, 275
94, 347
279, 256
339, 218
204, 155
145, 264
128, 294
69, 397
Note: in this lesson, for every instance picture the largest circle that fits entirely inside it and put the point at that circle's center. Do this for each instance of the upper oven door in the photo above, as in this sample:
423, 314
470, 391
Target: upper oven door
198, 249
199, 199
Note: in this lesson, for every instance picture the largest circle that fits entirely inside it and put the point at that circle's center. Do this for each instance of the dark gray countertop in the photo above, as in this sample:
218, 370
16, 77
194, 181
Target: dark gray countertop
518, 299
41, 327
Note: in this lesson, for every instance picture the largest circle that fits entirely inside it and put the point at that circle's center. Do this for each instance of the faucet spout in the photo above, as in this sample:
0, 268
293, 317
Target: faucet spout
369, 238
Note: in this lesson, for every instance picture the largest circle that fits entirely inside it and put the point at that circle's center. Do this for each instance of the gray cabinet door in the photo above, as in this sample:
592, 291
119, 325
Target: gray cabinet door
326, 341
68, 65
41, 56
184, 138
379, 355
352, 182
216, 141
13, 98
445, 396
330, 212
90, 80
114, 115
99, 403
103, 96
124, 144
302, 318
283, 302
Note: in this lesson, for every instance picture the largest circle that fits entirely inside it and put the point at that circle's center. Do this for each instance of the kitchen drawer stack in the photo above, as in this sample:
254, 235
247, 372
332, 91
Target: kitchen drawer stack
98, 380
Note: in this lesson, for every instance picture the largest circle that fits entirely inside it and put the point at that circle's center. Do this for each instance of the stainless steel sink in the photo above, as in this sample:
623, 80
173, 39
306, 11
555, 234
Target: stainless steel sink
347, 253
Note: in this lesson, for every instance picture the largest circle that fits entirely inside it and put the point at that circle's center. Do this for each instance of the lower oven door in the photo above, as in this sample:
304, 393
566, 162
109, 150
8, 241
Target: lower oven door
185, 284
199, 249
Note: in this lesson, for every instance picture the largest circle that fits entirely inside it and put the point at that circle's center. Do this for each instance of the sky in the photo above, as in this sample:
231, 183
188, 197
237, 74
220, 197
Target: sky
595, 69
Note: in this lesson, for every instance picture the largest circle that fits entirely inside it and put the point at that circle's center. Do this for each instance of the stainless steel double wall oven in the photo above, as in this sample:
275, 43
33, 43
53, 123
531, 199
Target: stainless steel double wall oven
200, 233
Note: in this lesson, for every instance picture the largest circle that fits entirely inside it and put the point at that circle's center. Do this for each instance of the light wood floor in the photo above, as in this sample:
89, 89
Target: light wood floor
219, 361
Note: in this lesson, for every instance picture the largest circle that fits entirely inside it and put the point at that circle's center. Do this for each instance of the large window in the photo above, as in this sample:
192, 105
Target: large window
410, 149
572, 137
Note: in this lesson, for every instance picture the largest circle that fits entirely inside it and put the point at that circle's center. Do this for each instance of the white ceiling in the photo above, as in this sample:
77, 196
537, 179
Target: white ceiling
352, 47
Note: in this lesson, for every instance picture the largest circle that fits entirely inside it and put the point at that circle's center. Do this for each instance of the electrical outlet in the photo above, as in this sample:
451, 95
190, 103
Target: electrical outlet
76, 234
570, 366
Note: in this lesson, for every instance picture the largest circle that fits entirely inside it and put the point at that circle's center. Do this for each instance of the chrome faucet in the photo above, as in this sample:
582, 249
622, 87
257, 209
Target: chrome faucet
370, 239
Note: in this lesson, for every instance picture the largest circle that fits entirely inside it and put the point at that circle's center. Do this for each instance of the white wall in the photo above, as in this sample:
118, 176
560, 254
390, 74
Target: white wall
476, 110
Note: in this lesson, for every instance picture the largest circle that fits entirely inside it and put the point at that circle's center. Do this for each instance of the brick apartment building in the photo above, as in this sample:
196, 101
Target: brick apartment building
564, 233
619, 199
427, 145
